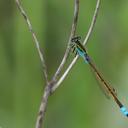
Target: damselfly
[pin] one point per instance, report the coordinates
(79, 49)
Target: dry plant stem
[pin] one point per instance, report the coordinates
(47, 90)
(64, 75)
(34, 38)
(73, 30)
(85, 42)
(52, 86)
(92, 23)
(43, 107)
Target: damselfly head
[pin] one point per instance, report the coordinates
(76, 39)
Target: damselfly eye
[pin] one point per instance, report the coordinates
(75, 39)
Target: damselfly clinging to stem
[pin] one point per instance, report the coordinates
(79, 49)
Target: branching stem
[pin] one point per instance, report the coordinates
(34, 39)
(85, 42)
(55, 83)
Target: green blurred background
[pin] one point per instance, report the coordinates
(78, 103)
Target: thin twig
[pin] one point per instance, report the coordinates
(34, 38)
(73, 30)
(47, 90)
(92, 23)
(64, 75)
(85, 42)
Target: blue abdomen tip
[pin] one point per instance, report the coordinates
(124, 111)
